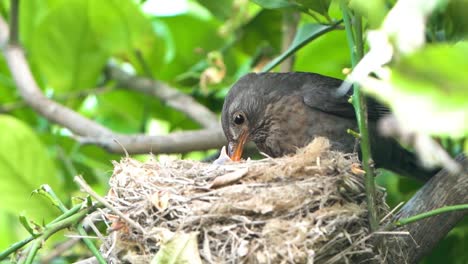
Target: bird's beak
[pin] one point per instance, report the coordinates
(235, 148)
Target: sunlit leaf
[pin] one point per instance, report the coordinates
(326, 55)
(7, 224)
(128, 119)
(374, 11)
(65, 47)
(30, 15)
(24, 166)
(122, 15)
(133, 31)
(305, 34)
(192, 38)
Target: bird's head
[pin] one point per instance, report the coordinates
(242, 114)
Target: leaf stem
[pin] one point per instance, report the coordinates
(353, 29)
(15, 247)
(441, 210)
(79, 228)
(90, 244)
(54, 228)
(24, 242)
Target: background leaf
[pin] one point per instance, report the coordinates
(24, 166)
(305, 34)
(65, 47)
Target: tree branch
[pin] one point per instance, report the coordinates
(90, 132)
(176, 142)
(172, 97)
(441, 190)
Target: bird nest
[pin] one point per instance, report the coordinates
(306, 208)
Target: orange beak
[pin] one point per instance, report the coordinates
(235, 150)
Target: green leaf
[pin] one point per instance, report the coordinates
(262, 31)
(305, 34)
(129, 23)
(65, 48)
(121, 28)
(180, 248)
(110, 113)
(428, 90)
(24, 166)
(374, 11)
(274, 4)
(326, 55)
(30, 15)
(189, 46)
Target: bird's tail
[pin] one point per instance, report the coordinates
(389, 154)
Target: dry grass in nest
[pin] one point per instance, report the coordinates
(307, 208)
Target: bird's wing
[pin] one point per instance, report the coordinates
(319, 92)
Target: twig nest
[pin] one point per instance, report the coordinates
(306, 208)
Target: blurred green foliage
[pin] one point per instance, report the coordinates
(69, 43)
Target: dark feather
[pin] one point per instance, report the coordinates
(319, 92)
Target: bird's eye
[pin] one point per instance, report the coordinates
(239, 119)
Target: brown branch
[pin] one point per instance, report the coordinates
(441, 190)
(91, 132)
(176, 142)
(172, 97)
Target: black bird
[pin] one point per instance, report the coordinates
(281, 112)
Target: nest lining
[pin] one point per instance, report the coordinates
(306, 208)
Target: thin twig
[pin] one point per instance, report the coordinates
(85, 187)
(391, 212)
